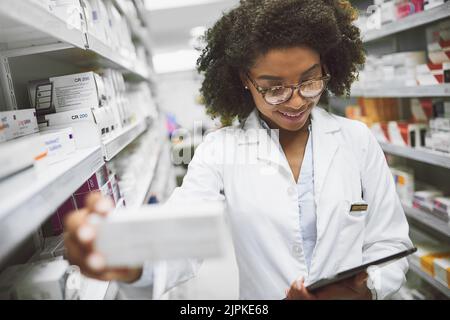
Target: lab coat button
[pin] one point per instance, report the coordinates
(297, 250)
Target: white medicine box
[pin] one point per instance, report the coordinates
(78, 91)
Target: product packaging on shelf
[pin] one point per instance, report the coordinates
(89, 126)
(429, 74)
(441, 208)
(404, 183)
(430, 4)
(78, 91)
(424, 199)
(442, 270)
(40, 94)
(56, 225)
(19, 155)
(18, 123)
(124, 238)
(69, 11)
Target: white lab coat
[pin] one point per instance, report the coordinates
(244, 168)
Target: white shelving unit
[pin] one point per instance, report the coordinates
(426, 156)
(442, 90)
(428, 220)
(41, 192)
(112, 146)
(146, 180)
(25, 21)
(410, 22)
(425, 276)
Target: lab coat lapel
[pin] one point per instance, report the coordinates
(267, 149)
(325, 145)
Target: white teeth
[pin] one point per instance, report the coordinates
(292, 115)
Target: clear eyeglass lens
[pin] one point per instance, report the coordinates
(312, 89)
(278, 95)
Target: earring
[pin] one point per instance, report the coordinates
(246, 88)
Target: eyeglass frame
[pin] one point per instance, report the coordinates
(295, 87)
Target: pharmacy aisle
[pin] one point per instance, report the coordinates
(403, 96)
(78, 114)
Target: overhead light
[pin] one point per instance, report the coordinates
(181, 60)
(153, 5)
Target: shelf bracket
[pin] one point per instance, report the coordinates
(6, 84)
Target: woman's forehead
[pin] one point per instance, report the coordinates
(286, 63)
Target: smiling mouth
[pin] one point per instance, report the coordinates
(293, 114)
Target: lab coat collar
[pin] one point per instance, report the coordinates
(325, 144)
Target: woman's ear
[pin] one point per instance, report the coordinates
(244, 80)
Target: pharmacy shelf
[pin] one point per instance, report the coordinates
(427, 156)
(442, 90)
(30, 197)
(410, 22)
(428, 219)
(149, 173)
(112, 146)
(114, 59)
(24, 22)
(425, 276)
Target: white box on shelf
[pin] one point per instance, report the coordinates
(58, 143)
(87, 128)
(78, 91)
(424, 199)
(430, 4)
(441, 208)
(18, 123)
(440, 56)
(19, 154)
(69, 11)
(442, 271)
(161, 232)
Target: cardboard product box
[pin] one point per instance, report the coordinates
(69, 11)
(441, 208)
(421, 109)
(446, 68)
(18, 123)
(57, 220)
(416, 134)
(404, 183)
(57, 144)
(441, 141)
(379, 133)
(425, 199)
(19, 155)
(398, 133)
(88, 127)
(440, 56)
(40, 94)
(430, 4)
(78, 91)
(441, 109)
(442, 270)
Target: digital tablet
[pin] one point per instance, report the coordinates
(354, 271)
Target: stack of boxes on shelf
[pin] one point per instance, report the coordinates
(428, 126)
(129, 164)
(420, 195)
(411, 68)
(383, 12)
(96, 106)
(108, 25)
(104, 181)
(22, 146)
(437, 70)
(433, 258)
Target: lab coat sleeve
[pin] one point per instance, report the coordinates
(202, 182)
(386, 225)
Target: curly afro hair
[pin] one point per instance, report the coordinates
(256, 26)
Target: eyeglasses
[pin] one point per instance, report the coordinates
(308, 89)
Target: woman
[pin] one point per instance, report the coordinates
(289, 172)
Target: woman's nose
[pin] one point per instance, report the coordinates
(296, 101)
